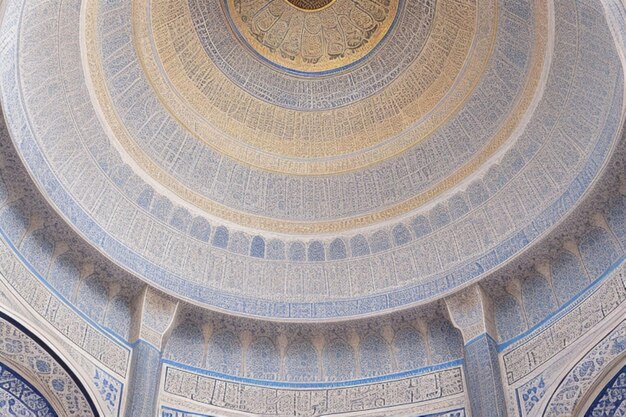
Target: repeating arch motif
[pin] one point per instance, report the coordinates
(375, 356)
(224, 353)
(262, 359)
(339, 361)
(301, 363)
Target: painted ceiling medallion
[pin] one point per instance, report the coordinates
(315, 35)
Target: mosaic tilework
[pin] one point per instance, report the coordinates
(509, 317)
(537, 296)
(110, 390)
(329, 353)
(467, 310)
(598, 251)
(453, 413)
(340, 361)
(375, 356)
(352, 270)
(186, 345)
(568, 276)
(263, 360)
(616, 217)
(410, 349)
(170, 412)
(289, 116)
(157, 316)
(62, 317)
(181, 357)
(224, 351)
(302, 186)
(446, 342)
(144, 385)
(565, 275)
(309, 92)
(301, 363)
(531, 393)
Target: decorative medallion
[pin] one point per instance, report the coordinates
(315, 35)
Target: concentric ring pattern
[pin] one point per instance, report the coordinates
(313, 160)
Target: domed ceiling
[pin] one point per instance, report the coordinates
(313, 159)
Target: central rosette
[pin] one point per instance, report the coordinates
(315, 35)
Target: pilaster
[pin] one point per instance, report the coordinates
(471, 312)
(156, 315)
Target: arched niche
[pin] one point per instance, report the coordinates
(18, 397)
(224, 353)
(301, 362)
(186, 345)
(579, 386)
(263, 359)
(35, 366)
(608, 398)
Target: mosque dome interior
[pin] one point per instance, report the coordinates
(309, 208)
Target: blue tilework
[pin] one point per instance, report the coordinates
(19, 398)
(611, 401)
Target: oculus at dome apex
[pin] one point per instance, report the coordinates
(311, 4)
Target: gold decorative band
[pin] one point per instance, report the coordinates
(213, 208)
(281, 140)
